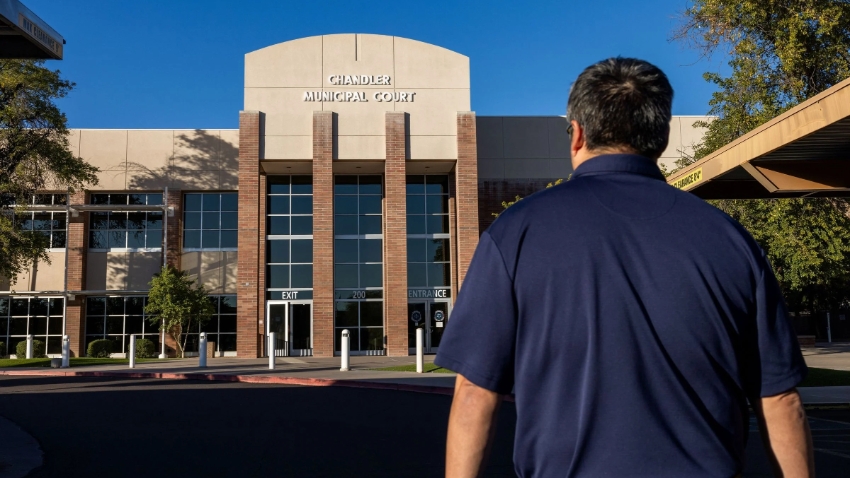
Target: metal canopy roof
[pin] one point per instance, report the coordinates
(804, 152)
(24, 35)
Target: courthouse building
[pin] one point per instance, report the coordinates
(351, 197)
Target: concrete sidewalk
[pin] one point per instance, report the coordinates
(314, 371)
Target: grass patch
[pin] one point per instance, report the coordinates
(427, 368)
(824, 377)
(75, 362)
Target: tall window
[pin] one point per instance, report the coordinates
(49, 223)
(220, 329)
(289, 256)
(358, 262)
(115, 318)
(428, 253)
(210, 221)
(42, 317)
(126, 231)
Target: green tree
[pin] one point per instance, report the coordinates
(781, 52)
(34, 155)
(507, 204)
(177, 306)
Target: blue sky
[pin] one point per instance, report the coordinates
(179, 63)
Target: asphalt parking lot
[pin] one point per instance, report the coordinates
(132, 427)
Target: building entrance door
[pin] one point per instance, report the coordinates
(292, 323)
(431, 316)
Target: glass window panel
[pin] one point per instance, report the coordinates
(345, 205)
(192, 220)
(302, 276)
(42, 199)
(416, 275)
(416, 224)
(345, 185)
(137, 199)
(372, 314)
(371, 250)
(117, 239)
(279, 225)
(211, 202)
(17, 326)
(42, 221)
(371, 275)
(154, 221)
(55, 306)
(415, 184)
(96, 306)
(135, 305)
(370, 185)
(345, 276)
(54, 326)
(229, 220)
(4, 328)
(437, 225)
(278, 251)
(115, 325)
(115, 306)
(229, 239)
(227, 323)
(4, 309)
(228, 304)
(210, 325)
(59, 220)
(437, 184)
(211, 220)
(227, 342)
(24, 221)
(136, 239)
(372, 338)
(302, 225)
(154, 199)
(134, 324)
(439, 275)
(302, 204)
(437, 204)
(370, 205)
(353, 337)
(302, 250)
(20, 307)
(345, 251)
(59, 240)
(302, 184)
(117, 220)
(192, 202)
(209, 239)
(191, 239)
(278, 184)
(278, 205)
(278, 277)
(60, 199)
(416, 250)
(438, 250)
(346, 314)
(415, 205)
(38, 326)
(370, 225)
(118, 199)
(230, 202)
(99, 220)
(345, 225)
(53, 345)
(154, 238)
(100, 198)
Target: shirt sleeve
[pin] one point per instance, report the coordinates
(480, 336)
(776, 363)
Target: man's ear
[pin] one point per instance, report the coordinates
(577, 138)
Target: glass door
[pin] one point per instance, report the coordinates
(292, 323)
(416, 314)
(276, 318)
(430, 316)
(438, 315)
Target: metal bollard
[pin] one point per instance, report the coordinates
(132, 351)
(420, 353)
(271, 350)
(346, 351)
(202, 351)
(29, 347)
(66, 351)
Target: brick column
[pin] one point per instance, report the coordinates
(175, 223)
(76, 249)
(323, 235)
(261, 269)
(395, 235)
(453, 233)
(247, 284)
(466, 177)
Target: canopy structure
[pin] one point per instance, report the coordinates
(804, 152)
(24, 35)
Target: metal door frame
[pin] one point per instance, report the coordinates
(428, 324)
(288, 351)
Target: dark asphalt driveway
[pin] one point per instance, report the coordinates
(130, 427)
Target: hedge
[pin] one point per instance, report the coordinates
(100, 348)
(37, 349)
(145, 348)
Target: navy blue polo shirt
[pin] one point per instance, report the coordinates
(632, 321)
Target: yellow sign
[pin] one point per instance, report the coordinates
(694, 177)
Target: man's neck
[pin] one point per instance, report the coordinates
(584, 155)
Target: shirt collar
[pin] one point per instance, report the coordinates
(620, 163)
